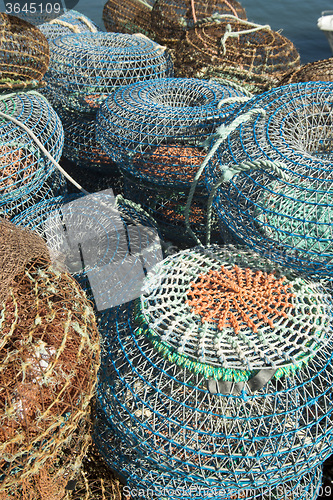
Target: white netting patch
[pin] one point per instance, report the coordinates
(68, 23)
(244, 322)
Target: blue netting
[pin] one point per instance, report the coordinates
(161, 393)
(24, 168)
(84, 68)
(144, 482)
(106, 242)
(68, 23)
(281, 206)
(156, 129)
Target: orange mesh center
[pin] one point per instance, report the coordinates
(239, 298)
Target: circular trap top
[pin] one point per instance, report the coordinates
(95, 64)
(167, 120)
(70, 22)
(226, 312)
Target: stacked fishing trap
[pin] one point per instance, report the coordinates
(107, 243)
(155, 131)
(49, 351)
(129, 16)
(68, 23)
(317, 71)
(218, 376)
(171, 18)
(225, 46)
(84, 69)
(271, 176)
(25, 53)
(27, 174)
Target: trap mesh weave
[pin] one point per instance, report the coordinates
(68, 23)
(260, 416)
(129, 16)
(257, 57)
(24, 53)
(84, 68)
(156, 129)
(142, 480)
(317, 71)
(49, 350)
(171, 18)
(24, 168)
(283, 208)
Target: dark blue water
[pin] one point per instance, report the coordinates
(296, 18)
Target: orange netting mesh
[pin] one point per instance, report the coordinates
(171, 18)
(127, 16)
(49, 357)
(24, 53)
(317, 71)
(18, 247)
(213, 49)
(239, 298)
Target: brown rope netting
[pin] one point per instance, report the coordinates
(128, 16)
(317, 71)
(49, 357)
(24, 53)
(171, 18)
(218, 49)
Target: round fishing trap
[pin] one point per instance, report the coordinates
(317, 71)
(171, 18)
(273, 176)
(142, 481)
(24, 166)
(107, 243)
(49, 350)
(68, 23)
(156, 129)
(235, 49)
(85, 68)
(25, 53)
(221, 371)
(129, 16)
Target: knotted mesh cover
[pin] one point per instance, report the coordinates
(49, 353)
(142, 480)
(255, 57)
(24, 168)
(156, 129)
(317, 71)
(284, 208)
(84, 68)
(68, 23)
(171, 18)
(24, 53)
(129, 16)
(221, 371)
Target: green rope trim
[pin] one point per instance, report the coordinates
(208, 371)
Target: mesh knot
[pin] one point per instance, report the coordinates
(239, 298)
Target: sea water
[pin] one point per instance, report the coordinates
(296, 18)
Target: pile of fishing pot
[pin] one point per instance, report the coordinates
(50, 354)
(29, 130)
(271, 176)
(225, 46)
(129, 16)
(107, 243)
(84, 69)
(170, 19)
(218, 376)
(25, 53)
(70, 22)
(155, 132)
